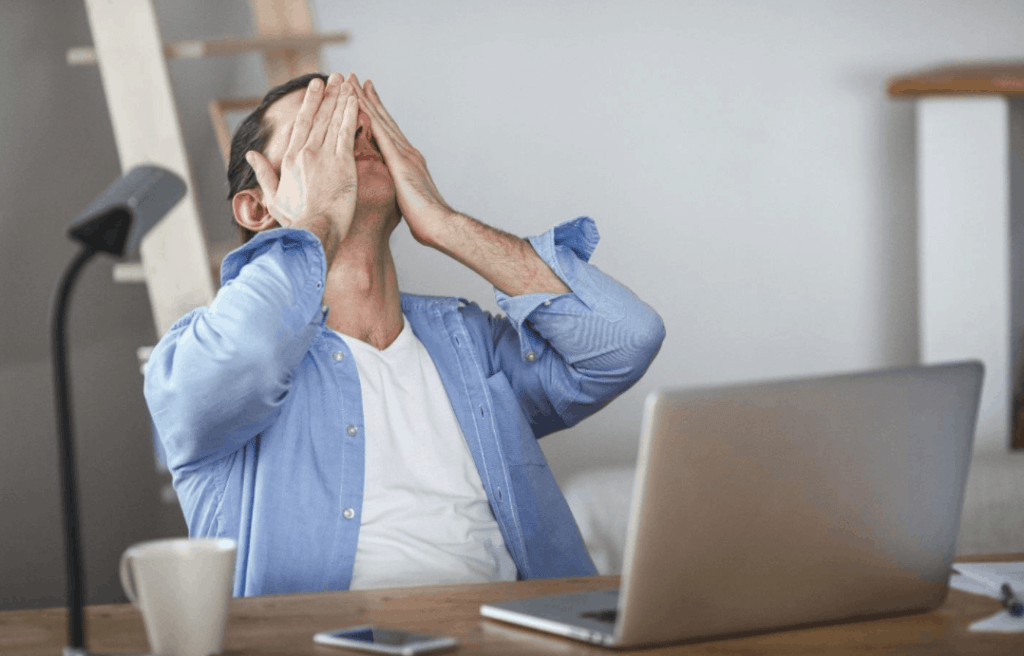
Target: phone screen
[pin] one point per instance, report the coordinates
(377, 636)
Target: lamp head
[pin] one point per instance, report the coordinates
(120, 216)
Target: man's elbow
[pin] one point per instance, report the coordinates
(648, 335)
(616, 370)
(630, 354)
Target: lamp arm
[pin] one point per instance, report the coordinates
(115, 222)
(69, 487)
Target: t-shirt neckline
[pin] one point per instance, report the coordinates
(399, 342)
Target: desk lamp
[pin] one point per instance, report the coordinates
(113, 223)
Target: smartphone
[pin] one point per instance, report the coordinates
(383, 641)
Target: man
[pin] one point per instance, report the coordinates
(349, 436)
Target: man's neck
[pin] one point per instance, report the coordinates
(362, 289)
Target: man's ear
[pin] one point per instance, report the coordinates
(250, 212)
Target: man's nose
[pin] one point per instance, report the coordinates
(363, 126)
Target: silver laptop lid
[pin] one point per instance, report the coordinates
(798, 502)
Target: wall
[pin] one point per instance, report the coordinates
(749, 175)
(750, 178)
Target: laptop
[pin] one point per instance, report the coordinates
(781, 505)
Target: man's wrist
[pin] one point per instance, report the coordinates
(325, 230)
(506, 261)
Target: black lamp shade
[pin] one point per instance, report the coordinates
(116, 221)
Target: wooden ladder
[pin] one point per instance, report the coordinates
(180, 268)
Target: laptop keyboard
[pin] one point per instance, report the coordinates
(606, 616)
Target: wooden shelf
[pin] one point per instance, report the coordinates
(195, 49)
(1005, 79)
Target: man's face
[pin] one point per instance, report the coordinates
(376, 188)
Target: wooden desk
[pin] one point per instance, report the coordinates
(285, 624)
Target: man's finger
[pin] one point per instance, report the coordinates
(304, 119)
(370, 92)
(381, 133)
(265, 175)
(347, 132)
(333, 130)
(354, 81)
(381, 129)
(324, 113)
(364, 100)
(374, 107)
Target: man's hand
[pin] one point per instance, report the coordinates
(418, 198)
(317, 187)
(506, 261)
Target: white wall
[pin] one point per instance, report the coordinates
(749, 175)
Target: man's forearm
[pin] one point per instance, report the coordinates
(506, 261)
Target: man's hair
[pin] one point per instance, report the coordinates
(253, 134)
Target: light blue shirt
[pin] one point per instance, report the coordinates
(258, 406)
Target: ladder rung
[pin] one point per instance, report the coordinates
(196, 48)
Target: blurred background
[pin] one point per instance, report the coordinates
(750, 178)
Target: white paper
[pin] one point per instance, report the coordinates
(987, 579)
(1002, 622)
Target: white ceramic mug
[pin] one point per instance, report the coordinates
(182, 587)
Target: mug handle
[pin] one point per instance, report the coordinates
(127, 580)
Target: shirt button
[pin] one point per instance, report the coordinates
(352, 430)
(339, 356)
(531, 356)
(324, 309)
(348, 513)
(547, 303)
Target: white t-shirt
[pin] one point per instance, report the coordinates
(425, 518)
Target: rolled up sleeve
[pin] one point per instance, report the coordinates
(583, 348)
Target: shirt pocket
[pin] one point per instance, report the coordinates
(515, 436)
